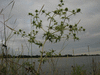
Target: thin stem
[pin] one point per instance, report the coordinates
(41, 57)
(5, 41)
(51, 21)
(41, 9)
(43, 29)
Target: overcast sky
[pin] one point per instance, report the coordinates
(90, 20)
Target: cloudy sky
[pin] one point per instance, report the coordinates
(90, 16)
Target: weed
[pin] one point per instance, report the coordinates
(78, 70)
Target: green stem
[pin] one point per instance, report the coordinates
(41, 57)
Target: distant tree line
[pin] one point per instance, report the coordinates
(37, 56)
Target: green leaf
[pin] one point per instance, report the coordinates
(33, 22)
(23, 31)
(36, 10)
(29, 34)
(36, 32)
(60, 10)
(73, 11)
(83, 29)
(20, 30)
(70, 26)
(66, 9)
(74, 34)
(17, 32)
(75, 25)
(61, 1)
(78, 10)
(59, 5)
(43, 11)
(30, 14)
(64, 13)
(55, 12)
(14, 32)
